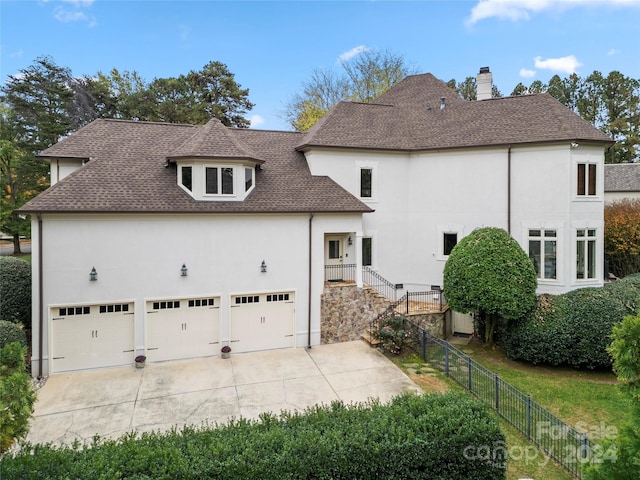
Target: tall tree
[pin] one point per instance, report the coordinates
(35, 114)
(362, 78)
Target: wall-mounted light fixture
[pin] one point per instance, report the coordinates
(263, 267)
(93, 275)
(574, 145)
(349, 241)
(184, 270)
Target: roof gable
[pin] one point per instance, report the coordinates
(412, 116)
(129, 172)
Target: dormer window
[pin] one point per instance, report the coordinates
(248, 179)
(219, 180)
(186, 177)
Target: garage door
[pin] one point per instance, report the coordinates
(92, 336)
(262, 321)
(185, 328)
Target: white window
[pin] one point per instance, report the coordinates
(585, 253)
(248, 179)
(366, 182)
(219, 180)
(586, 179)
(543, 252)
(186, 177)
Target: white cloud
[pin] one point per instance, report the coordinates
(612, 52)
(567, 64)
(256, 121)
(343, 57)
(522, 9)
(74, 11)
(527, 73)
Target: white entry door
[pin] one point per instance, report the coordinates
(262, 321)
(334, 261)
(91, 336)
(184, 328)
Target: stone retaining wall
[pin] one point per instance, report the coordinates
(347, 311)
(437, 324)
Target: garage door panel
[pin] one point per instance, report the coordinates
(184, 328)
(262, 322)
(92, 336)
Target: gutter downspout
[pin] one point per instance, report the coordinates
(40, 298)
(309, 289)
(509, 190)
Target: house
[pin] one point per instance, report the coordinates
(621, 182)
(173, 240)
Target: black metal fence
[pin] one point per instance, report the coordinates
(555, 439)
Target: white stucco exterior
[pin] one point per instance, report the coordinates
(138, 258)
(418, 197)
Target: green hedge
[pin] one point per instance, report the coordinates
(573, 328)
(437, 436)
(10, 332)
(16, 398)
(15, 290)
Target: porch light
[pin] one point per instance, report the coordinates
(93, 275)
(349, 241)
(183, 270)
(263, 267)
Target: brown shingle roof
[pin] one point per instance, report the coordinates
(409, 117)
(214, 140)
(128, 172)
(622, 177)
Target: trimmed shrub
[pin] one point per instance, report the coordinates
(16, 397)
(437, 436)
(10, 332)
(573, 328)
(15, 290)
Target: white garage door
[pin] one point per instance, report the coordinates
(262, 322)
(92, 336)
(185, 328)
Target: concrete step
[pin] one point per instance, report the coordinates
(366, 336)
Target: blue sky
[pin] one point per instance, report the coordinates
(272, 47)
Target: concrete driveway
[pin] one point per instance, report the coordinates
(114, 401)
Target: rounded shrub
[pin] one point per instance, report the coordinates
(10, 333)
(15, 290)
(573, 328)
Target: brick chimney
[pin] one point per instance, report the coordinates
(484, 84)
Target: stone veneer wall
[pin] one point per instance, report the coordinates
(347, 311)
(437, 324)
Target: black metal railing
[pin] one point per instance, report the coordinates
(380, 284)
(340, 273)
(563, 443)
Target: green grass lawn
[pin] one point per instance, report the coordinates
(578, 397)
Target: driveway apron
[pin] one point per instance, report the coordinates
(206, 391)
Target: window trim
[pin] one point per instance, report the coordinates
(588, 240)
(542, 239)
(367, 165)
(180, 178)
(370, 239)
(447, 229)
(219, 180)
(586, 180)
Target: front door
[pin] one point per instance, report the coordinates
(333, 259)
